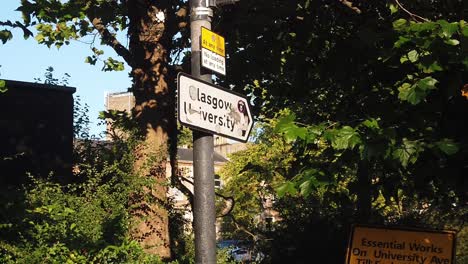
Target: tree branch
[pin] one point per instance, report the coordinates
(229, 203)
(409, 13)
(242, 228)
(109, 39)
(350, 5)
(27, 33)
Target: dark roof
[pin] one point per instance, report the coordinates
(30, 85)
(187, 155)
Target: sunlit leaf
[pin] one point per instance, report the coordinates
(286, 188)
(410, 93)
(413, 56)
(3, 86)
(452, 42)
(345, 138)
(289, 129)
(427, 83)
(465, 31)
(448, 29)
(400, 24)
(393, 8)
(371, 123)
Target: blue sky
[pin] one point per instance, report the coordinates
(25, 60)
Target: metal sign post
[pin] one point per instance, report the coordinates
(208, 109)
(203, 167)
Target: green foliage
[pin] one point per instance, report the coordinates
(377, 113)
(49, 78)
(113, 65)
(435, 47)
(81, 121)
(251, 177)
(407, 152)
(6, 34)
(85, 221)
(59, 23)
(185, 137)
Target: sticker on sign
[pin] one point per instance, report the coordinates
(210, 108)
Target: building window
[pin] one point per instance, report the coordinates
(217, 181)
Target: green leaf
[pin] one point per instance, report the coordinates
(423, 26)
(448, 29)
(393, 8)
(447, 146)
(413, 56)
(403, 59)
(371, 123)
(399, 24)
(345, 138)
(427, 83)
(313, 132)
(113, 65)
(286, 188)
(308, 182)
(40, 38)
(433, 67)
(289, 129)
(414, 94)
(3, 86)
(452, 42)
(401, 41)
(408, 152)
(5, 35)
(308, 186)
(464, 31)
(410, 93)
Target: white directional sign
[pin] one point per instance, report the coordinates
(207, 107)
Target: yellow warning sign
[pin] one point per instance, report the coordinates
(377, 245)
(212, 41)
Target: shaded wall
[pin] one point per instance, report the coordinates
(36, 131)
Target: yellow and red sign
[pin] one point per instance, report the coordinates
(378, 245)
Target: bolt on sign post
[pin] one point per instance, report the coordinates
(381, 245)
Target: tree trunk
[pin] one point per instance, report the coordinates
(154, 112)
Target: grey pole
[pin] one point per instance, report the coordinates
(203, 168)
